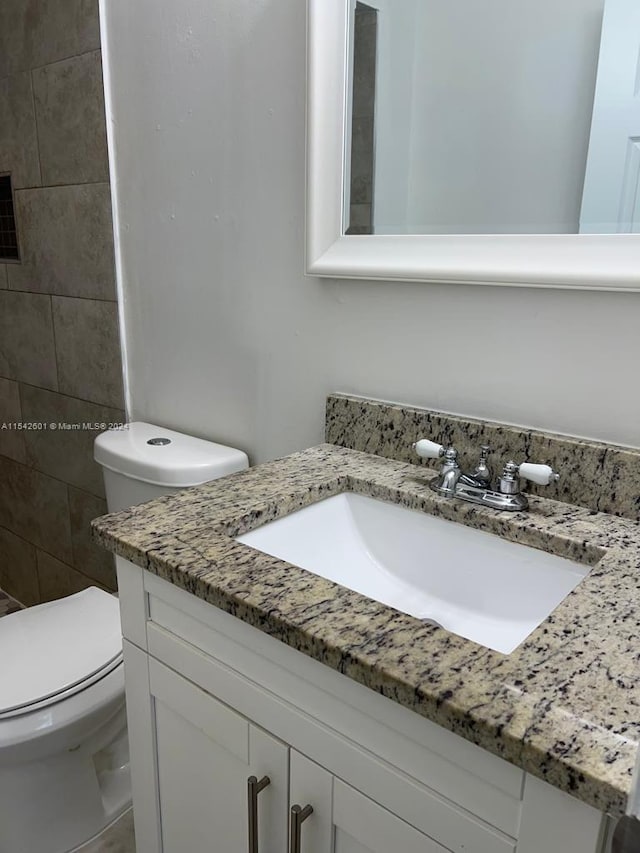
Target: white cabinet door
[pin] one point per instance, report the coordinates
(344, 820)
(205, 755)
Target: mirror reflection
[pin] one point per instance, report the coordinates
(493, 117)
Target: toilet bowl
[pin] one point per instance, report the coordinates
(64, 770)
(64, 758)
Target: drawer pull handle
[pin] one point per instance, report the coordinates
(298, 816)
(253, 789)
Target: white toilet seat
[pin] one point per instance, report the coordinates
(65, 675)
(64, 693)
(57, 649)
(45, 730)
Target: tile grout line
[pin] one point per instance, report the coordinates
(35, 120)
(55, 343)
(117, 409)
(67, 58)
(48, 554)
(74, 185)
(15, 71)
(113, 301)
(50, 477)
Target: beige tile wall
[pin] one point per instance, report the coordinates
(59, 341)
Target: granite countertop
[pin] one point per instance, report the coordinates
(564, 706)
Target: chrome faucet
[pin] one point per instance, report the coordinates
(476, 487)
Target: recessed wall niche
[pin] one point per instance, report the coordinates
(8, 232)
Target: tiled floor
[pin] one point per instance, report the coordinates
(118, 839)
(8, 604)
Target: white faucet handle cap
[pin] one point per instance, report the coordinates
(540, 474)
(428, 449)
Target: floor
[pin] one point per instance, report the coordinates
(627, 836)
(7, 604)
(117, 839)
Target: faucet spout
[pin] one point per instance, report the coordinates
(446, 482)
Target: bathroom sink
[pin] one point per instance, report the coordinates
(472, 583)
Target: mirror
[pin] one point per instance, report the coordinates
(493, 142)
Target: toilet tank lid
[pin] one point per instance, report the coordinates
(164, 457)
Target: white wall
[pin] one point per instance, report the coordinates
(226, 336)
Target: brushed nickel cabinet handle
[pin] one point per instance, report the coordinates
(298, 816)
(253, 789)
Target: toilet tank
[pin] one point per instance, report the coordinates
(143, 461)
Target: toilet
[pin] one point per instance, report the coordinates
(64, 757)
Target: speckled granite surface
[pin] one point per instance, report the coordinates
(565, 705)
(599, 476)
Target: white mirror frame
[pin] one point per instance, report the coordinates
(577, 261)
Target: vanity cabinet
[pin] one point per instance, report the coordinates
(206, 755)
(212, 701)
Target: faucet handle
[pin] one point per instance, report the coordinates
(508, 484)
(428, 449)
(540, 474)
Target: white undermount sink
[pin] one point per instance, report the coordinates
(472, 583)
